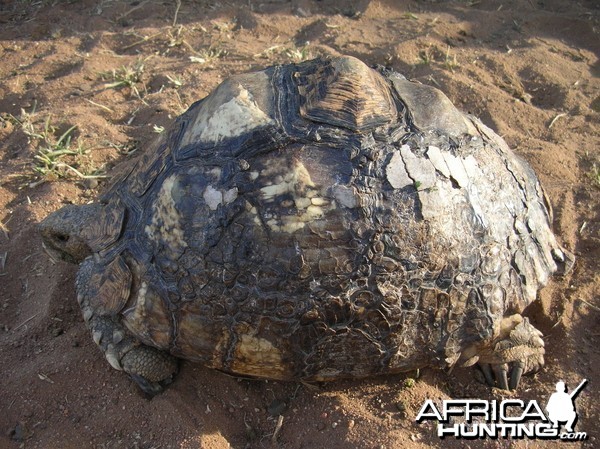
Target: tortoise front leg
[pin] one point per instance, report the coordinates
(518, 349)
(151, 368)
(102, 292)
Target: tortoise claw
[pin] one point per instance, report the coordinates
(486, 369)
(504, 376)
(515, 375)
(500, 373)
(149, 389)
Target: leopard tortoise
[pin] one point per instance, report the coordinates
(316, 221)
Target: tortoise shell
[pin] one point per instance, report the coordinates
(316, 221)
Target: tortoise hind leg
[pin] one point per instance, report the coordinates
(518, 349)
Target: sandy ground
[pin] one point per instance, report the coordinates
(119, 71)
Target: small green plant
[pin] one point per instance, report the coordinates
(426, 56)
(208, 56)
(451, 63)
(55, 157)
(175, 36)
(594, 174)
(298, 54)
(24, 120)
(409, 382)
(175, 81)
(268, 52)
(49, 159)
(127, 76)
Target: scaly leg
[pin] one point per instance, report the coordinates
(102, 291)
(151, 368)
(518, 349)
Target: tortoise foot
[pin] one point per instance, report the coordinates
(518, 350)
(150, 368)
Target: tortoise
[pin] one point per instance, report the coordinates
(316, 221)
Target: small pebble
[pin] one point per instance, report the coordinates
(90, 183)
(276, 407)
(16, 434)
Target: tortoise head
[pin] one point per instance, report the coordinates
(66, 232)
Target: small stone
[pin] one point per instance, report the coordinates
(301, 12)
(334, 424)
(351, 424)
(276, 407)
(17, 434)
(251, 433)
(90, 183)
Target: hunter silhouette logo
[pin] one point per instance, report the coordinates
(561, 405)
(509, 418)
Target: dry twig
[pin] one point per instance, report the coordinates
(277, 428)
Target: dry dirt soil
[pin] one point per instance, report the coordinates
(119, 71)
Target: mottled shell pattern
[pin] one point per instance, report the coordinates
(320, 220)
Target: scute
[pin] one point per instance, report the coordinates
(430, 109)
(148, 316)
(236, 107)
(113, 287)
(345, 92)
